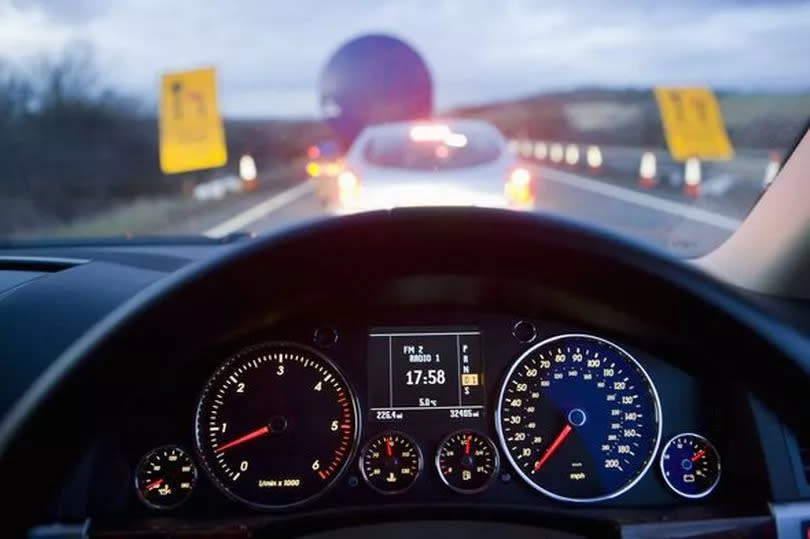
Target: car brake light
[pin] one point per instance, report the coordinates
(347, 181)
(348, 187)
(520, 187)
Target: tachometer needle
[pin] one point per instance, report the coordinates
(697, 455)
(247, 437)
(154, 484)
(552, 448)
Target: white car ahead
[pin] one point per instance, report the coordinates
(441, 162)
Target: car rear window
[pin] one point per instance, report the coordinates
(398, 150)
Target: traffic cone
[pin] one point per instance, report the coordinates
(526, 148)
(540, 151)
(556, 152)
(593, 156)
(772, 169)
(691, 177)
(572, 155)
(647, 171)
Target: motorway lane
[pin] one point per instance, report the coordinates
(642, 216)
(628, 212)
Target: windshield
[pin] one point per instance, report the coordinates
(661, 122)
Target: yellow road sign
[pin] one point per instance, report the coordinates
(693, 124)
(191, 132)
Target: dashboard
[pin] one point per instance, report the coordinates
(431, 407)
(377, 375)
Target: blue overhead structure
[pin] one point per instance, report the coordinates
(374, 79)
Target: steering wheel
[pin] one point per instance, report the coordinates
(449, 256)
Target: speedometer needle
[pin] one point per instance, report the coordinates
(697, 455)
(247, 437)
(552, 448)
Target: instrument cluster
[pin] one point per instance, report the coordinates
(396, 410)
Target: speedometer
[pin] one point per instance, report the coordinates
(276, 425)
(579, 418)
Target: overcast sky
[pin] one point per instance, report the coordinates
(269, 53)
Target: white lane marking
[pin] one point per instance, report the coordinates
(260, 210)
(642, 199)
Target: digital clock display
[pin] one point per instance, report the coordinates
(412, 370)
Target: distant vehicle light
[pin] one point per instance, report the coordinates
(594, 156)
(456, 140)
(313, 169)
(430, 133)
(556, 153)
(572, 154)
(442, 152)
(313, 152)
(333, 168)
(247, 168)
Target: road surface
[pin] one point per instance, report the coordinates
(684, 226)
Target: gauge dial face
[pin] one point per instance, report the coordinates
(467, 461)
(391, 462)
(578, 418)
(276, 425)
(690, 465)
(165, 477)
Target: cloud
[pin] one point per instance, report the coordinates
(269, 54)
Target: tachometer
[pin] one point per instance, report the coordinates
(276, 425)
(579, 418)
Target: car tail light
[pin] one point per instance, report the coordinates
(348, 186)
(520, 186)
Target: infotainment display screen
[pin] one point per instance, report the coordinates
(425, 369)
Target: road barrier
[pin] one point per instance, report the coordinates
(745, 175)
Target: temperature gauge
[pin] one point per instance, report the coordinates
(691, 465)
(467, 461)
(165, 477)
(391, 462)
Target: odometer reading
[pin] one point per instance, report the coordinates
(276, 425)
(579, 418)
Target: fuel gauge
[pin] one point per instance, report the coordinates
(467, 461)
(165, 477)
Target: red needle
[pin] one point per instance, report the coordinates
(255, 434)
(388, 448)
(552, 448)
(467, 445)
(698, 455)
(154, 484)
